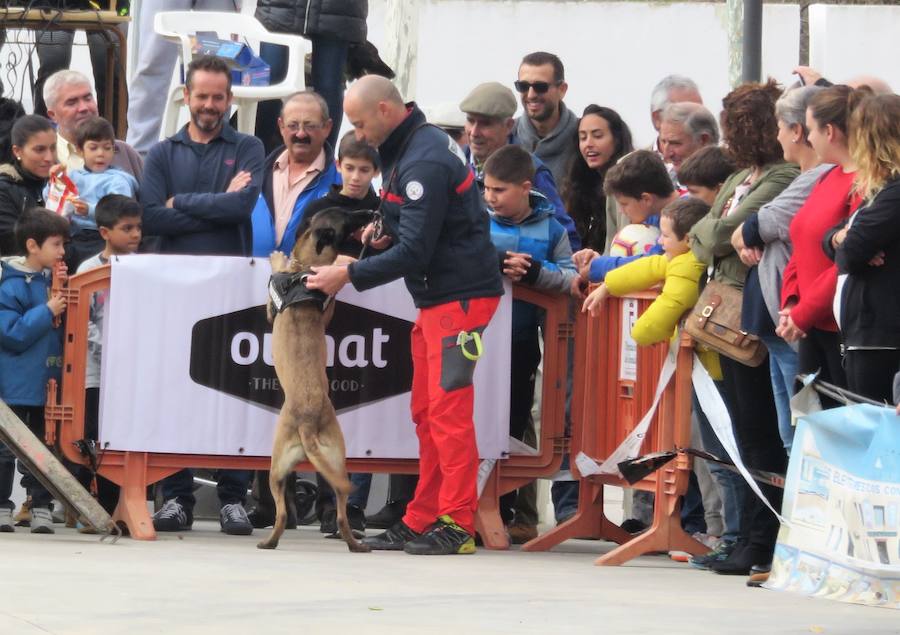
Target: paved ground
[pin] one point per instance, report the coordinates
(203, 582)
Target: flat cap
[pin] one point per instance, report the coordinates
(491, 99)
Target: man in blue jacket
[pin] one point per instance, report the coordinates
(440, 244)
(299, 172)
(198, 192)
(489, 110)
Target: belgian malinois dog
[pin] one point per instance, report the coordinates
(307, 426)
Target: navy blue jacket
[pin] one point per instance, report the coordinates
(434, 213)
(30, 346)
(204, 218)
(546, 185)
(263, 216)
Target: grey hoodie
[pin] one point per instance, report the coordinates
(557, 148)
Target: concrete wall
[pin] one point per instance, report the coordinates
(847, 41)
(614, 52)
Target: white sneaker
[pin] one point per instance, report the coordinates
(7, 524)
(42, 521)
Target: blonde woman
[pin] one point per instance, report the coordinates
(867, 252)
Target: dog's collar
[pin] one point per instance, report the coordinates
(288, 288)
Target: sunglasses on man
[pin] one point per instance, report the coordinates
(539, 87)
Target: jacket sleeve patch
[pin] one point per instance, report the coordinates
(414, 190)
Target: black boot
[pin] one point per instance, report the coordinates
(742, 560)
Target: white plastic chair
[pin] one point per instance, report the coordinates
(179, 26)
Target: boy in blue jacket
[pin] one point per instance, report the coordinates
(533, 249)
(641, 185)
(30, 347)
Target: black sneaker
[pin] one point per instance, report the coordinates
(234, 521)
(357, 519)
(328, 525)
(387, 516)
(173, 516)
(633, 526)
(393, 539)
(719, 554)
(443, 539)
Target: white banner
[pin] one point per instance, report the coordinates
(187, 364)
(714, 408)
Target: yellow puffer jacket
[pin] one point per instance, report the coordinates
(681, 289)
(679, 293)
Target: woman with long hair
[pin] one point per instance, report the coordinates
(603, 138)
(750, 130)
(867, 252)
(810, 276)
(23, 177)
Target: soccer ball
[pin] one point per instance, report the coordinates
(634, 240)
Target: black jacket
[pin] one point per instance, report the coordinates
(19, 191)
(870, 301)
(341, 19)
(434, 214)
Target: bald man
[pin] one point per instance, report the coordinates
(438, 240)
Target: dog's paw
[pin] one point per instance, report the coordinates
(359, 547)
(279, 261)
(267, 544)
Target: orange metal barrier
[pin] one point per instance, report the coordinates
(605, 409)
(134, 471)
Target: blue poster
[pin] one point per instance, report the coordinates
(841, 538)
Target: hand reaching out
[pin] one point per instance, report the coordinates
(595, 300)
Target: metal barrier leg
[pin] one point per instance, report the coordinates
(588, 522)
(488, 523)
(664, 535)
(132, 508)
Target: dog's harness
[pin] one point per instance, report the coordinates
(287, 288)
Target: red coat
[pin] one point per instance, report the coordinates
(810, 277)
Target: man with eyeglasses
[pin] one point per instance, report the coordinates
(299, 172)
(547, 128)
(198, 190)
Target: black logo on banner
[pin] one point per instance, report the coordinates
(368, 356)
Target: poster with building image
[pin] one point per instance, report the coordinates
(842, 506)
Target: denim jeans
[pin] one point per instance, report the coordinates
(359, 497)
(564, 495)
(783, 364)
(231, 486)
(732, 487)
(693, 518)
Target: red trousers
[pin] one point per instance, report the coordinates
(442, 404)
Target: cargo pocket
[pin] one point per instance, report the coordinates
(458, 359)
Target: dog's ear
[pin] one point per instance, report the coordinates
(358, 219)
(324, 236)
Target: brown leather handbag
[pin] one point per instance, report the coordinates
(715, 322)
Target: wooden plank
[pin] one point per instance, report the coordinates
(45, 467)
